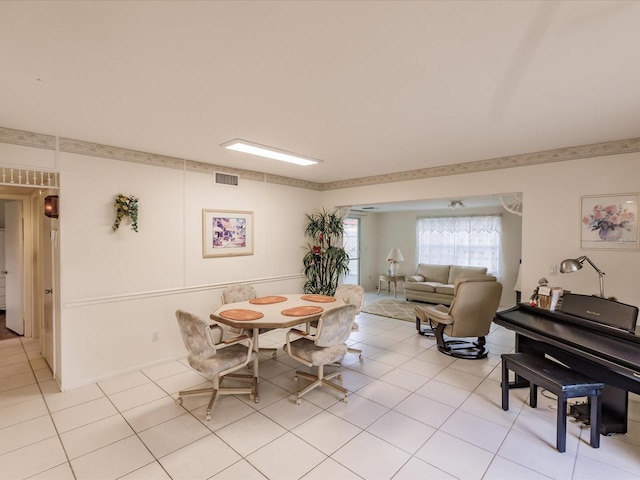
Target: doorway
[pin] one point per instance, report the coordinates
(14, 264)
(30, 304)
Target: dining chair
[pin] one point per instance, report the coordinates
(215, 361)
(353, 295)
(243, 293)
(325, 346)
(474, 306)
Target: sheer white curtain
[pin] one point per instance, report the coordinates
(468, 241)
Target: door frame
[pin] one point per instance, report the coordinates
(47, 244)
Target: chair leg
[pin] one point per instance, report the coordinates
(468, 350)
(440, 336)
(254, 388)
(326, 382)
(252, 391)
(191, 392)
(319, 380)
(274, 351)
(425, 332)
(315, 382)
(207, 416)
(356, 350)
(274, 354)
(214, 392)
(561, 425)
(505, 386)
(594, 419)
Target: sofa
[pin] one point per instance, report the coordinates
(435, 283)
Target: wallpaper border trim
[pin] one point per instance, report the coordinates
(616, 147)
(27, 139)
(30, 139)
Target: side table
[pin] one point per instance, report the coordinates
(391, 280)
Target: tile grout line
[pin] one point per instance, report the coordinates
(132, 429)
(55, 427)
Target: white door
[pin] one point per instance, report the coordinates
(3, 297)
(13, 261)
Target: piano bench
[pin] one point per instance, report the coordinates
(559, 380)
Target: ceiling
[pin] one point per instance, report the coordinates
(369, 88)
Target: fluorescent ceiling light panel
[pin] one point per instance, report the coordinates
(269, 152)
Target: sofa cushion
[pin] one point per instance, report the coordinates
(422, 286)
(434, 273)
(457, 271)
(445, 289)
(413, 278)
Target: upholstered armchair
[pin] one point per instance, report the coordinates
(476, 300)
(323, 347)
(215, 361)
(352, 295)
(242, 293)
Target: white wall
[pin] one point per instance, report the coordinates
(119, 287)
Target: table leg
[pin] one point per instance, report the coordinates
(379, 285)
(256, 348)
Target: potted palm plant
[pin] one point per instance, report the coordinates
(325, 261)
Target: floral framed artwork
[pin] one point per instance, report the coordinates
(609, 222)
(226, 233)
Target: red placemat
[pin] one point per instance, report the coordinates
(314, 297)
(241, 314)
(268, 300)
(302, 311)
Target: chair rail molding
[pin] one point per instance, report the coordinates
(79, 303)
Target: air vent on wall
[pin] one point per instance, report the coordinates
(226, 179)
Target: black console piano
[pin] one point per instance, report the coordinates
(592, 335)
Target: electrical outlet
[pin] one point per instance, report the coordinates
(155, 336)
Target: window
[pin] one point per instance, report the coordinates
(467, 241)
(351, 243)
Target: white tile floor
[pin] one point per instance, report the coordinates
(413, 413)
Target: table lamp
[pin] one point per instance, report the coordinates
(393, 257)
(574, 264)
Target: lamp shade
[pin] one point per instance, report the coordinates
(51, 206)
(570, 265)
(395, 255)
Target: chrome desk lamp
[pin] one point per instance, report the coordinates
(574, 264)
